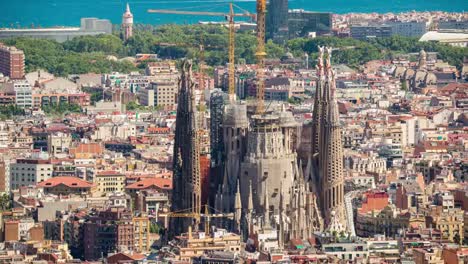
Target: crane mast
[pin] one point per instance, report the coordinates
(232, 41)
(261, 54)
(201, 65)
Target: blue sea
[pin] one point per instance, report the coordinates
(47, 13)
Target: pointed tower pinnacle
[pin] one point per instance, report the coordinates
(238, 207)
(422, 60)
(217, 200)
(127, 10)
(266, 208)
(317, 111)
(225, 181)
(332, 170)
(250, 204)
(127, 23)
(226, 193)
(281, 219)
(237, 203)
(186, 179)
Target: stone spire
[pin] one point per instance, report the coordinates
(266, 208)
(332, 148)
(317, 103)
(422, 64)
(226, 193)
(218, 202)
(281, 223)
(250, 203)
(238, 206)
(186, 180)
(323, 139)
(249, 213)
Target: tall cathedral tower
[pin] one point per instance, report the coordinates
(326, 163)
(332, 149)
(186, 165)
(127, 23)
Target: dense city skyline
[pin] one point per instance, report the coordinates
(295, 136)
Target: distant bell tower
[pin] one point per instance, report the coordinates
(127, 23)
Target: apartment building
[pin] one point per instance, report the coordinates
(11, 62)
(109, 181)
(27, 172)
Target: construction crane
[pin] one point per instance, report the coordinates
(197, 216)
(261, 55)
(230, 17)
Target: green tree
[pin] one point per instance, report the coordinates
(10, 111)
(274, 50)
(53, 57)
(404, 86)
(356, 52)
(61, 108)
(154, 228)
(108, 44)
(5, 202)
(132, 106)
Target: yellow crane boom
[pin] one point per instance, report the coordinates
(230, 17)
(198, 13)
(197, 216)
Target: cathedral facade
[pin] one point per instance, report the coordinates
(263, 181)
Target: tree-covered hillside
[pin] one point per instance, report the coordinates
(89, 53)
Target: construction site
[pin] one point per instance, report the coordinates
(260, 194)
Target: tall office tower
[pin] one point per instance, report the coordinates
(11, 62)
(277, 19)
(186, 178)
(326, 164)
(302, 23)
(127, 23)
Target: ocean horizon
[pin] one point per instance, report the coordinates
(48, 13)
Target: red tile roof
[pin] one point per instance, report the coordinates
(159, 130)
(69, 181)
(109, 173)
(161, 183)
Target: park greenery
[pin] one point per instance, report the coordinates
(59, 59)
(357, 52)
(90, 53)
(96, 94)
(10, 111)
(61, 109)
(133, 106)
